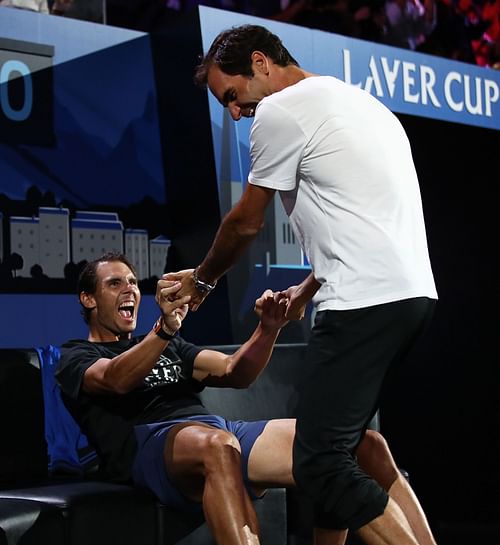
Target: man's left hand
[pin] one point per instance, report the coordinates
(271, 308)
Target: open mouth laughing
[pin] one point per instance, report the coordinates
(126, 310)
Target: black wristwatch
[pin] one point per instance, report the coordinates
(202, 287)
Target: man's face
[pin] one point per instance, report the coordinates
(115, 302)
(239, 94)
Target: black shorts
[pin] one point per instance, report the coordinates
(350, 357)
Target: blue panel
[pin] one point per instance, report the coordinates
(38, 320)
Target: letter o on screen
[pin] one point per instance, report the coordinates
(5, 72)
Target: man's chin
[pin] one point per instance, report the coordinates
(127, 330)
(131, 327)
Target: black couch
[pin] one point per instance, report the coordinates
(38, 508)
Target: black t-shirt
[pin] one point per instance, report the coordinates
(168, 391)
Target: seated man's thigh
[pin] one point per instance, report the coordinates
(270, 460)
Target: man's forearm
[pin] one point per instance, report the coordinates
(309, 287)
(236, 232)
(127, 370)
(252, 357)
(231, 241)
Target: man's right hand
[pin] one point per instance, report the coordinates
(299, 296)
(188, 288)
(297, 302)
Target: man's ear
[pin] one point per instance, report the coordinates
(87, 300)
(260, 62)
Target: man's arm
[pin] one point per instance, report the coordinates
(126, 371)
(240, 369)
(237, 230)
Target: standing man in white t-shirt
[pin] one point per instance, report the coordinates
(342, 164)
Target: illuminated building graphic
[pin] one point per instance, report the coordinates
(95, 233)
(137, 250)
(25, 241)
(158, 252)
(54, 240)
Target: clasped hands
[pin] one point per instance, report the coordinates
(179, 286)
(173, 306)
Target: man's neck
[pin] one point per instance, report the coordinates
(289, 75)
(106, 337)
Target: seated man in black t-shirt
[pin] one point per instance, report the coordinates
(136, 400)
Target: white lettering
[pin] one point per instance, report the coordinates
(478, 108)
(462, 92)
(492, 94)
(449, 80)
(427, 81)
(7, 69)
(408, 82)
(374, 79)
(346, 56)
(390, 74)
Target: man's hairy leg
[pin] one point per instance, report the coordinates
(204, 463)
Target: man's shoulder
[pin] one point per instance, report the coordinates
(85, 343)
(75, 345)
(77, 348)
(75, 342)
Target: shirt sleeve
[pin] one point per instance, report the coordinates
(76, 358)
(187, 353)
(276, 148)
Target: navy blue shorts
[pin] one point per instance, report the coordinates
(149, 467)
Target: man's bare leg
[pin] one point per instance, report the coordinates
(270, 465)
(375, 458)
(204, 463)
(403, 495)
(390, 528)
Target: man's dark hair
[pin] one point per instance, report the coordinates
(232, 52)
(87, 281)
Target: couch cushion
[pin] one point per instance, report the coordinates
(29, 522)
(96, 513)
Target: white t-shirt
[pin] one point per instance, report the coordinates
(343, 166)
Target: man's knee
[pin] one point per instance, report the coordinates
(219, 449)
(193, 449)
(375, 458)
(195, 453)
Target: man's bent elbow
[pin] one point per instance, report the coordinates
(247, 230)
